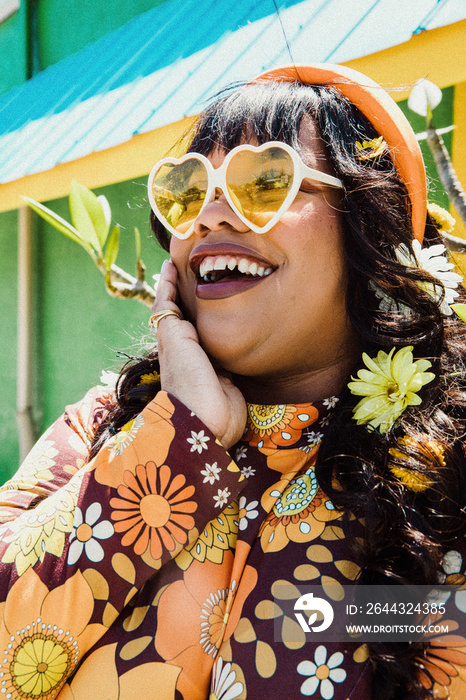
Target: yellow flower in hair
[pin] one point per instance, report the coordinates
(371, 149)
(415, 481)
(389, 385)
(442, 218)
(151, 378)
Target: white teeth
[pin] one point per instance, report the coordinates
(204, 267)
(220, 263)
(223, 262)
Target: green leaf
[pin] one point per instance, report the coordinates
(57, 222)
(137, 239)
(88, 216)
(460, 310)
(111, 251)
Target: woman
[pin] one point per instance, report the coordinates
(146, 538)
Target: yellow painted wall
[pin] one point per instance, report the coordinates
(438, 54)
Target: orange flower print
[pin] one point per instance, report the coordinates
(441, 659)
(278, 425)
(139, 681)
(299, 513)
(199, 610)
(214, 614)
(44, 636)
(153, 510)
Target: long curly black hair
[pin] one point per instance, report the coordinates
(406, 531)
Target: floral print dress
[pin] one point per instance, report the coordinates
(156, 570)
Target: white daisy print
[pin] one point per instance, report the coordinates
(323, 672)
(314, 438)
(198, 441)
(247, 511)
(222, 497)
(224, 685)
(125, 437)
(247, 472)
(211, 473)
(86, 531)
(240, 453)
(331, 402)
(108, 379)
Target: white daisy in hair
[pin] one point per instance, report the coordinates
(434, 261)
(387, 303)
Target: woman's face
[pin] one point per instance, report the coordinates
(291, 321)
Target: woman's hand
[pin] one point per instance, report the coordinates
(187, 372)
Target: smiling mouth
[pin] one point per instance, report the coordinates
(217, 268)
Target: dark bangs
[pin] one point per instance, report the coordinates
(261, 111)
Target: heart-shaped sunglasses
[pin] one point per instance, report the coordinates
(259, 183)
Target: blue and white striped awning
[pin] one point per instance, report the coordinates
(163, 65)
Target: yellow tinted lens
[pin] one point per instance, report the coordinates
(259, 181)
(179, 192)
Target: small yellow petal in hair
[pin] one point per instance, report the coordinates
(151, 378)
(430, 449)
(412, 480)
(442, 218)
(371, 149)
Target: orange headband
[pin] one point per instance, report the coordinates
(384, 115)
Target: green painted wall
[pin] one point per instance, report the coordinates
(79, 326)
(82, 327)
(65, 26)
(8, 276)
(13, 49)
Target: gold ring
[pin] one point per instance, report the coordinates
(156, 318)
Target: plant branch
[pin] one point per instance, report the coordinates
(446, 172)
(124, 286)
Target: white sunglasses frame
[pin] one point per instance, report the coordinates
(216, 178)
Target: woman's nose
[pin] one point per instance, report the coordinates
(218, 214)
